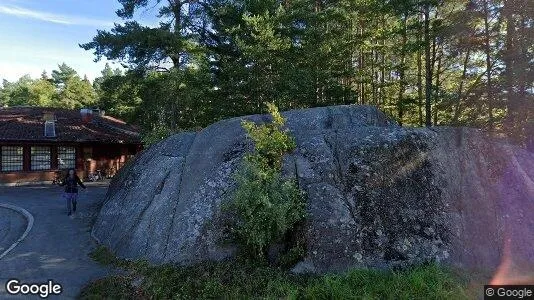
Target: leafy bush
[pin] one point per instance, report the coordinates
(155, 135)
(266, 206)
(271, 141)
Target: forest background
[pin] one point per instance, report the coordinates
(423, 62)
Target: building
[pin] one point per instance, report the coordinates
(36, 143)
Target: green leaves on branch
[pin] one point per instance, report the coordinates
(150, 47)
(64, 90)
(266, 206)
(270, 140)
(138, 46)
(156, 135)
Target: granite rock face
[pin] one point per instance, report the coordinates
(379, 195)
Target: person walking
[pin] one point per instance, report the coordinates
(71, 183)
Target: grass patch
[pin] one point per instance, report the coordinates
(424, 282)
(113, 287)
(218, 280)
(242, 279)
(103, 256)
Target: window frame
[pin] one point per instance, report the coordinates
(37, 162)
(10, 162)
(71, 159)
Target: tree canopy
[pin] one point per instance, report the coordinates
(65, 90)
(423, 62)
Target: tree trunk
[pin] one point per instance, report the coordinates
(428, 66)
(402, 67)
(374, 77)
(176, 6)
(456, 115)
(437, 88)
(382, 72)
(508, 59)
(489, 88)
(362, 69)
(419, 76)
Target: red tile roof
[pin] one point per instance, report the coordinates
(27, 124)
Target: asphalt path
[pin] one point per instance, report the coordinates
(12, 227)
(56, 247)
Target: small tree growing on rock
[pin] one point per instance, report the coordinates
(266, 205)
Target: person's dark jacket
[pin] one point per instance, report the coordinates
(71, 184)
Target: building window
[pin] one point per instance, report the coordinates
(50, 129)
(40, 158)
(12, 158)
(66, 157)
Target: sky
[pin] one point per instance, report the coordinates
(37, 35)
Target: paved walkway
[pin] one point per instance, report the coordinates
(57, 247)
(12, 226)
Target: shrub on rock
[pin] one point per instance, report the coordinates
(266, 205)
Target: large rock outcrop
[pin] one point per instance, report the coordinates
(379, 195)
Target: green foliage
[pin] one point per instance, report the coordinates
(228, 280)
(424, 282)
(145, 47)
(177, 100)
(26, 91)
(107, 73)
(266, 206)
(64, 90)
(63, 74)
(245, 280)
(138, 45)
(271, 141)
(113, 287)
(76, 93)
(103, 256)
(295, 254)
(155, 135)
(42, 93)
(468, 63)
(120, 96)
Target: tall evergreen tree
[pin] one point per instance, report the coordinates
(76, 93)
(63, 74)
(433, 62)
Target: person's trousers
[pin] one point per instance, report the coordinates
(71, 199)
